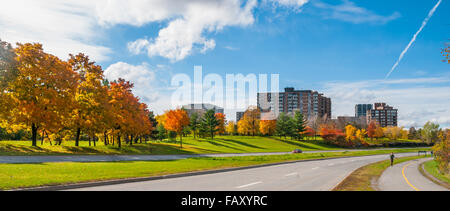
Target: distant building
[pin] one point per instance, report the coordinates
(382, 113)
(201, 109)
(308, 102)
(239, 115)
(347, 119)
(361, 109)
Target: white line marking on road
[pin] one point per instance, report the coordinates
(291, 174)
(315, 168)
(331, 164)
(244, 186)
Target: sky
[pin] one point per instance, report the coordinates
(342, 48)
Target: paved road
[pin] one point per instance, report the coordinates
(406, 177)
(113, 158)
(302, 176)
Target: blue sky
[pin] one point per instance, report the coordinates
(343, 48)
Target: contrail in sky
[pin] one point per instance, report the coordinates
(424, 23)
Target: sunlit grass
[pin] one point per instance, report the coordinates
(31, 175)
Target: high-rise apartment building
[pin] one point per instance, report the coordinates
(306, 101)
(382, 113)
(361, 109)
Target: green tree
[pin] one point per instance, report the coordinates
(299, 125)
(194, 124)
(161, 132)
(284, 126)
(430, 132)
(210, 123)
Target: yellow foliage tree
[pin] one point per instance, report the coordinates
(350, 131)
(361, 134)
(267, 127)
(231, 128)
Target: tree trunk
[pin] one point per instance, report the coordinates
(94, 139)
(42, 138)
(77, 137)
(131, 140)
(105, 137)
(33, 134)
(89, 138)
(118, 141)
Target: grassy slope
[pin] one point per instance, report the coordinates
(221, 144)
(361, 179)
(432, 168)
(31, 175)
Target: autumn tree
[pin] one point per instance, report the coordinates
(442, 153)
(42, 92)
(371, 129)
(8, 73)
(310, 132)
(267, 127)
(249, 124)
(120, 96)
(176, 121)
(350, 132)
(361, 134)
(221, 119)
(91, 102)
(231, 128)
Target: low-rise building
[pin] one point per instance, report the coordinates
(201, 109)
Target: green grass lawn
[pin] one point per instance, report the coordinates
(386, 140)
(32, 175)
(220, 144)
(362, 178)
(432, 168)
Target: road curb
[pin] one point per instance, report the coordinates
(169, 176)
(431, 177)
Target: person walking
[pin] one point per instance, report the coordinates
(392, 158)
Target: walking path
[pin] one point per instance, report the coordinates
(407, 177)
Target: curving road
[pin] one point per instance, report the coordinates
(115, 158)
(316, 175)
(406, 177)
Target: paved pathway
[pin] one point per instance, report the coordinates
(406, 177)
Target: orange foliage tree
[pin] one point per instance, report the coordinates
(176, 121)
(41, 95)
(221, 119)
(267, 127)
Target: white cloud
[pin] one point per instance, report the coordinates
(296, 4)
(141, 76)
(188, 23)
(62, 26)
(349, 12)
(417, 101)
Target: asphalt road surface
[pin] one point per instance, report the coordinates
(115, 158)
(406, 177)
(319, 175)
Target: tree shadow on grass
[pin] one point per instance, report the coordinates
(242, 143)
(300, 144)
